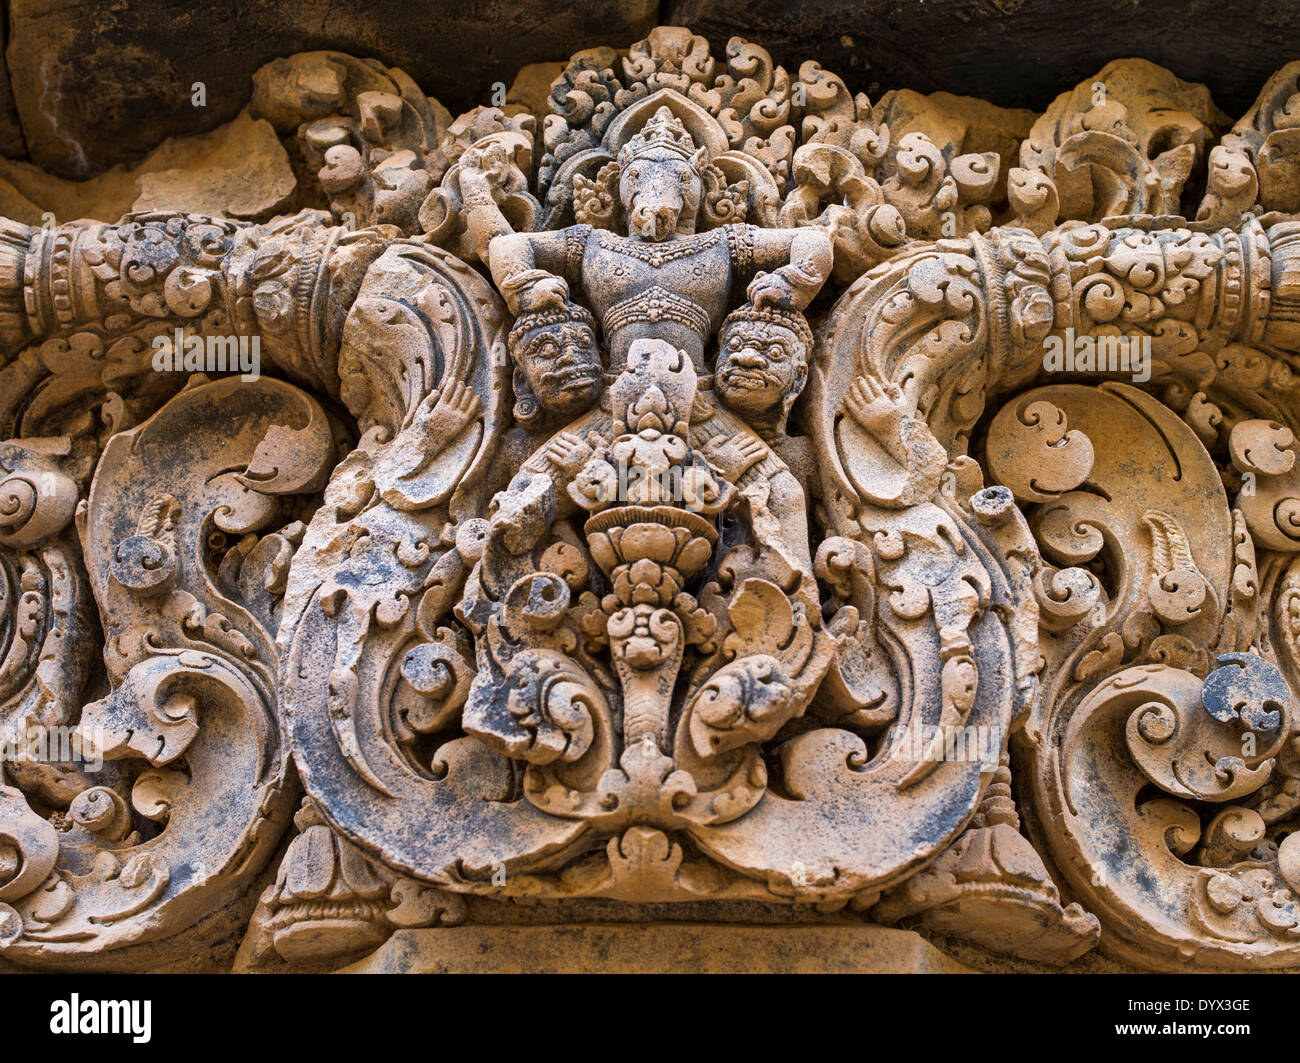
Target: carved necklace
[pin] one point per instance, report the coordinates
(658, 255)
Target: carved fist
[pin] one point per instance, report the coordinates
(545, 293)
(772, 289)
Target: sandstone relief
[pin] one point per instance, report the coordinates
(687, 486)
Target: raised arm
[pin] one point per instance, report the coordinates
(480, 171)
(534, 270)
(792, 265)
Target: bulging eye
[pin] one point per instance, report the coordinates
(776, 353)
(735, 343)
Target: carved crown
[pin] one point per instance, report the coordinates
(530, 321)
(663, 133)
(773, 315)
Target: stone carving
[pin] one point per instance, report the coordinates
(716, 488)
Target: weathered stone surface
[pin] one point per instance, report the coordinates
(1015, 53)
(101, 87)
(104, 83)
(675, 949)
(531, 88)
(13, 204)
(12, 144)
(240, 170)
(716, 498)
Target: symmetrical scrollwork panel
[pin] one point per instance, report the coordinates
(715, 487)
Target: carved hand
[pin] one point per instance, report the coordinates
(482, 168)
(794, 285)
(524, 287)
(444, 415)
(880, 408)
(876, 405)
(568, 452)
(772, 289)
(732, 456)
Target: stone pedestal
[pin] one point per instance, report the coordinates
(657, 949)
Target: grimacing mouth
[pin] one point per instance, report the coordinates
(572, 377)
(750, 379)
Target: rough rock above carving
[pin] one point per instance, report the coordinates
(94, 88)
(105, 83)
